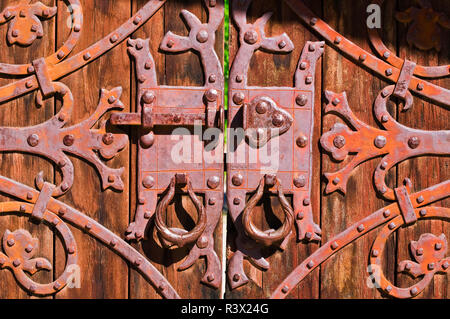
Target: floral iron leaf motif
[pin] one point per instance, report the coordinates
(429, 253)
(425, 26)
(20, 247)
(24, 23)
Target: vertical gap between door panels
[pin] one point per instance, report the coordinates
(130, 156)
(322, 64)
(55, 33)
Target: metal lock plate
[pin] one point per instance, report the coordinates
(181, 142)
(269, 145)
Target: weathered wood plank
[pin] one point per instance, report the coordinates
(22, 112)
(345, 274)
(425, 171)
(103, 273)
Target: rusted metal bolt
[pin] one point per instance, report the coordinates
(239, 78)
(302, 141)
(11, 242)
(29, 249)
(384, 118)
(137, 20)
(308, 80)
(361, 228)
(413, 142)
(88, 226)
(60, 55)
(212, 201)
(238, 98)
(237, 180)
(77, 28)
(170, 44)
(15, 33)
(22, 208)
(388, 289)
(408, 266)
(389, 72)
(308, 235)
(68, 140)
(420, 199)
(438, 246)
(380, 141)
(213, 182)
(108, 138)
(17, 263)
(212, 3)
(262, 107)
(387, 213)
(362, 57)
(285, 289)
(212, 78)
(138, 262)
(7, 14)
(431, 266)
(375, 253)
(62, 211)
(336, 181)
(211, 95)
(383, 165)
(148, 97)
(236, 201)
(301, 99)
(313, 21)
(148, 65)
(148, 182)
(202, 36)
(422, 212)
(251, 36)
(310, 264)
(278, 120)
(147, 215)
(236, 277)
(210, 278)
(33, 28)
(22, 14)
(87, 56)
(29, 84)
(386, 54)
(302, 66)
(113, 242)
(391, 226)
(414, 291)
(384, 93)
(311, 47)
(334, 245)
(29, 195)
(419, 251)
(139, 45)
(111, 178)
(300, 215)
(339, 141)
(335, 101)
(306, 202)
(300, 181)
(147, 140)
(114, 38)
(33, 140)
(64, 187)
(282, 44)
(445, 265)
(71, 250)
(337, 40)
(420, 86)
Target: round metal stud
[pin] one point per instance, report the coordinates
(237, 180)
(413, 142)
(238, 98)
(251, 37)
(68, 140)
(278, 120)
(301, 99)
(148, 97)
(339, 141)
(33, 140)
(202, 36)
(300, 181)
(380, 141)
(148, 182)
(213, 182)
(262, 107)
(211, 95)
(108, 138)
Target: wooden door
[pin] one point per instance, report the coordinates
(81, 190)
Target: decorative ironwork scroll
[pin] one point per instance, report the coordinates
(395, 143)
